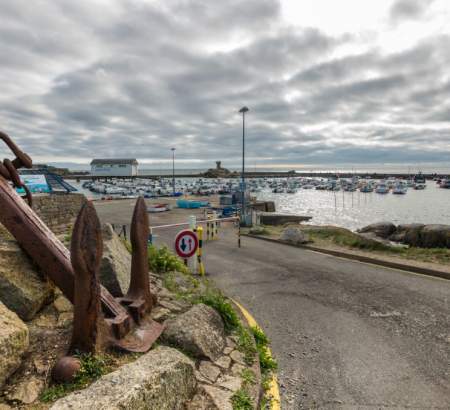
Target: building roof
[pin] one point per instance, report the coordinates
(127, 161)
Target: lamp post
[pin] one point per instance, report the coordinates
(173, 170)
(243, 110)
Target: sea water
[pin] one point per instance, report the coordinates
(354, 210)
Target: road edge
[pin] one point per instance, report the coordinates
(274, 389)
(360, 258)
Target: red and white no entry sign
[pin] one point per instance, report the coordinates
(186, 243)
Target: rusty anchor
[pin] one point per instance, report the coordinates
(100, 320)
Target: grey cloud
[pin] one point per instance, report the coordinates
(408, 9)
(136, 78)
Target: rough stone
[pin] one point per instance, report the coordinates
(381, 229)
(115, 267)
(200, 378)
(4, 406)
(227, 350)
(162, 379)
(238, 357)
(237, 369)
(62, 304)
(208, 370)
(295, 235)
(199, 331)
(14, 342)
(231, 383)
(64, 319)
(412, 234)
(160, 314)
(219, 399)
(231, 342)
(223, 362)
(27, 391)
(435, 236)
(22, 289)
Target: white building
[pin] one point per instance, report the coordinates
(114, 167)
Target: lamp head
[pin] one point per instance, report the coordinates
(244, 109)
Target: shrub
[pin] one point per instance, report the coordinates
(162, 260)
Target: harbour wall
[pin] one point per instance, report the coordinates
(266, 175)
(58, 211)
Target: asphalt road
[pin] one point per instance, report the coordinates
(345, 334)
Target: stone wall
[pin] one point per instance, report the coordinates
(58, 211)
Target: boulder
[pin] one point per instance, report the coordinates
(14, 342)
(381, 229)
(162, 379)
(199, 331)
(435, 236)
(115, 267)
(407, 233)
(22, 288)
(295, 235)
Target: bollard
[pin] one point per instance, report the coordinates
(193, 225)
(201, 267)
(215, 226)
(150, 237)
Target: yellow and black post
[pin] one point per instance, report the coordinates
(201, 267)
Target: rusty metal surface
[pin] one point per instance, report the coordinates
(65, 369)
(86, 249)
(100, 320)
(138, 299)
(8, 169)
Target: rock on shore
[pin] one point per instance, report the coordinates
(162, 379)
(418, 235)
(199, 331)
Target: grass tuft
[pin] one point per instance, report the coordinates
(241, 400)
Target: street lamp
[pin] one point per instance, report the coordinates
(173, 170)
(243, 110)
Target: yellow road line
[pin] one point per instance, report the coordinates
(274, 390)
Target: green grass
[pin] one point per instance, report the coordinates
(345, 238)
(267, 364)
(215, 299)
(241, 400)
(92, 368)
(162, 260)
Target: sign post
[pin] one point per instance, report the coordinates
(186, 244)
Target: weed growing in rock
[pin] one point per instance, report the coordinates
(222, 305)
(92, 368)
(267, 363)
(241, 400)
(246, 345)
(248, 377)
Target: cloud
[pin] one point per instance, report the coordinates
(403, 10)
(133, 78)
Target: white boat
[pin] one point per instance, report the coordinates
(399, 189)
(158, 208)
(382, 188)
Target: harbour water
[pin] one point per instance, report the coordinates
(354, 210)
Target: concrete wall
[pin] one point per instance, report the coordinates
(58, 211)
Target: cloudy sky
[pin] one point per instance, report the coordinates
(326, 81)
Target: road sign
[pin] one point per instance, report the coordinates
(186, 243)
